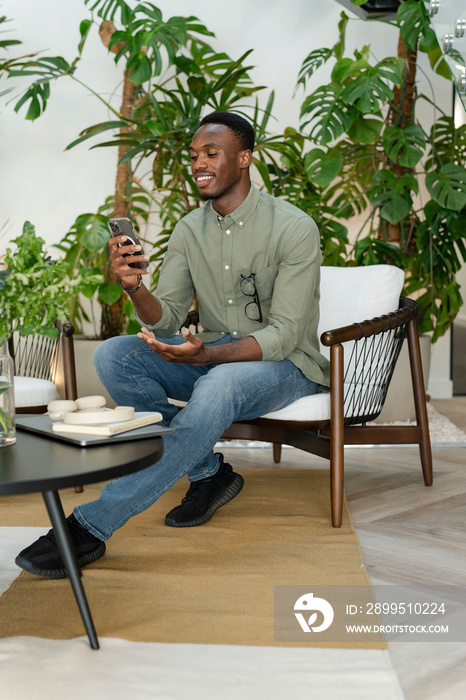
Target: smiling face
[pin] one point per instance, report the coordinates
(219, 166)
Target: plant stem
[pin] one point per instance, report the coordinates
(96, 94)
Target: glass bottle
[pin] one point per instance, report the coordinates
(7, 397)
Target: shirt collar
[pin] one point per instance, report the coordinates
(242, 213)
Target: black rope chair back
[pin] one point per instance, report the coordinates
(371, 362)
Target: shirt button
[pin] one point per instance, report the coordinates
(230, 301)
(228, 231)
(240, 223)
(235, 333)
(227, 267)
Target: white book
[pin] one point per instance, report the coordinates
(139, 421)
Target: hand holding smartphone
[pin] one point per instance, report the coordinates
(124, 227)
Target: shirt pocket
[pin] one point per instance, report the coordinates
(265, 281)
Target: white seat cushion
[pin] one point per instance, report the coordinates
(30, 392)
(317, 407)
(308, 408)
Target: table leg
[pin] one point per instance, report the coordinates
(68, 553)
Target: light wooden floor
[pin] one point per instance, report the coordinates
(408, 533)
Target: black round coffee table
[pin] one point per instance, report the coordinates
(36, 463)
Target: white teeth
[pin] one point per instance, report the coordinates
(202, 178)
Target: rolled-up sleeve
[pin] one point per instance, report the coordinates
(295, 294)
(175, 290)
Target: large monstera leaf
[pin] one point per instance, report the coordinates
(393, 194)
(370, 88)
(447, 186)
(448, 143)
(322, 167)
(329, 117)
(404, 146)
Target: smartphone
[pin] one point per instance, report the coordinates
(124, 227)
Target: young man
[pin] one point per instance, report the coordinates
(253, 261)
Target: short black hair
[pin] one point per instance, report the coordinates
(240, 127)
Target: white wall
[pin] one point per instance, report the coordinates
(42, 183)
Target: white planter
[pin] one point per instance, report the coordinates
(399, 404)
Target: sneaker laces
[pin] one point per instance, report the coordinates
(49, 536)
(79, 534)
(194, 491)
(196, 488)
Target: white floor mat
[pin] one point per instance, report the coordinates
(38, 669)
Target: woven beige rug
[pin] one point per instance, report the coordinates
(207, 585)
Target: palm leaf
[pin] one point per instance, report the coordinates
(311, 63)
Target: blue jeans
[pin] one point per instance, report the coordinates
(217, 396)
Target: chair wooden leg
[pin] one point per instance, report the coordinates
(336, 440)
(420, 402)
(69, 364)
(277, 452)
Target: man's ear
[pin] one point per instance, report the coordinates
(245, 159)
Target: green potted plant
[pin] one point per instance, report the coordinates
(171, 76)
(372, 156)
(35, 293)
(35, 290)
(363, 154)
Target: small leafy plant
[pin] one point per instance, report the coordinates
(35, 290)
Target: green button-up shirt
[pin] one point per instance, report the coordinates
(207, 254)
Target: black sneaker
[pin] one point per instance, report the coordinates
(43, 557)
(205, 496)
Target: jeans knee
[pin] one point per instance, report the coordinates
(220, 389)
(108, 355)
(103, 353)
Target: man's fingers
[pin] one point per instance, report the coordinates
(146, 335)
(189, 352)
(190, 338)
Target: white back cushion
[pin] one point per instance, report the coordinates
(355, 294)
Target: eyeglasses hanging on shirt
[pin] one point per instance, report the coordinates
(253, 308)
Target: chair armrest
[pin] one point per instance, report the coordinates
(69, 364)
(407, 312)
(67, 329)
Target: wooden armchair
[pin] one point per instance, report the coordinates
(363, 354)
